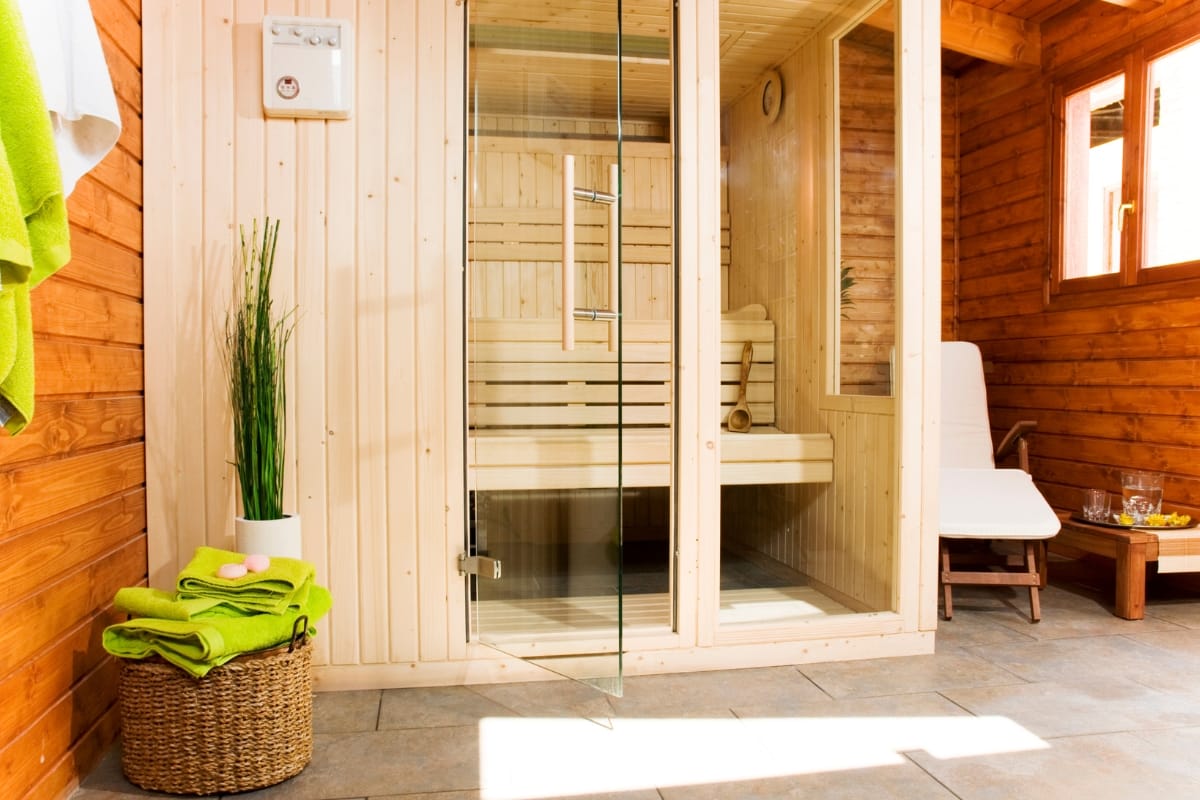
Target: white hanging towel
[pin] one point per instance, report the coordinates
(75, 81)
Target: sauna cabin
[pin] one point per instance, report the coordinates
(813, 189)
(600, 366)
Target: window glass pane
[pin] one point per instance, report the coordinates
(1093, 140)
(1173, 169)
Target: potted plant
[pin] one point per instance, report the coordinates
(254, 350)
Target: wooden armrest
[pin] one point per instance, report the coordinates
(1016, 438)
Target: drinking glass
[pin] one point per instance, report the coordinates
(1141, 494)
(1095, 505)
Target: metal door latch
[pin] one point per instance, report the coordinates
(482, 566)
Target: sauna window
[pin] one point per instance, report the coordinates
(865, 272)
(1123, 219)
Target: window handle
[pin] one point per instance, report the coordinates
(1123, 210)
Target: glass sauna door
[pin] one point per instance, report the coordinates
(544, 333)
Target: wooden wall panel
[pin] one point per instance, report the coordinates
(72, 497)
(370, 251)
(1111, 386)
(867, 145)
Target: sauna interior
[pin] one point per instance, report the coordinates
(572, 399)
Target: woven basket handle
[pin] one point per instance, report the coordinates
(299, 632)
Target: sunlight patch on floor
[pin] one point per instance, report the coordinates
(531, 758)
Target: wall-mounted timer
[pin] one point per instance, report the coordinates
(308, 67)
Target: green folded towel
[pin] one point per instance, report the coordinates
(209, 640)
(146, 602)
(34, 237)
(273, 590)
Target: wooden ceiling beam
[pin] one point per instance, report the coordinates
(980, 32)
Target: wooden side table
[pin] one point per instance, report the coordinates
(1130, 549)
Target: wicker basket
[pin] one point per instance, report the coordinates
(245, 725)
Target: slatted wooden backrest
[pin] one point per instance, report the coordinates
(520, 378)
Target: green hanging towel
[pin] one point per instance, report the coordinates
(35, 240)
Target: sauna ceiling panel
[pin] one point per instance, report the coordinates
(545, 57)
(548, 58)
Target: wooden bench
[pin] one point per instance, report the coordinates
(1130, 549)
(541, 418)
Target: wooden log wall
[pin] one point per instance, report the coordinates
(1111, 385)
(867, 144)
(72, 485)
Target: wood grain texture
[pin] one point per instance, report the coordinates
(72, 528)
(1110, 379)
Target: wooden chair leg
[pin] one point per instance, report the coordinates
(1043, 554)
(1032, 567)
(948, 603)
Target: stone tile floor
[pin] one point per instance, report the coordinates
(1080, 705)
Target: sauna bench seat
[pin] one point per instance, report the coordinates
(559, 459)
(541, 418)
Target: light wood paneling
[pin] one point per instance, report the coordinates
(370, 252)
(72, 498)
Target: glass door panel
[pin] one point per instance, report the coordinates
(544, 361)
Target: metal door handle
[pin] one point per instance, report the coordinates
(609, 198)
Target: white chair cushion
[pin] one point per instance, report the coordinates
(993, 504)
(966, 432)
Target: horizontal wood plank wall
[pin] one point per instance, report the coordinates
(72, 485)
(950, 206)
(513, 239)
(370, 251)
(1111, 386)
(867, 139)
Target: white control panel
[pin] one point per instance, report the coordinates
(308, 67)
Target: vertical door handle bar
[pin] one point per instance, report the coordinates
(568, 253)
(570, 194)
(614, 254)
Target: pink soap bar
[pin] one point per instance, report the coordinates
(231, 571)
(257, 562)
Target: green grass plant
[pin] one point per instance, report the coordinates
(254, 350)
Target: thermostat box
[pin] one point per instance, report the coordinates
(308, 67)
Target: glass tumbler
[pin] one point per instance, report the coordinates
(1141, 494)
(1095, 505)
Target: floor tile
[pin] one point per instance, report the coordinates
(345, 712)
(436, 707)
(715, 694)
(923, 704)
(1076, 708)
(381, 763)
(555, 698)
(1084, 658)
(1104, 767)
(901, 782)
(907, 674)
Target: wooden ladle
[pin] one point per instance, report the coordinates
(739, 417)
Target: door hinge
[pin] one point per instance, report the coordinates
(482, 566)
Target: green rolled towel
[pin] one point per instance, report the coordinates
(272, 591)
(207, 640)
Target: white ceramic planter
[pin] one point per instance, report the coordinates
(270, 537)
